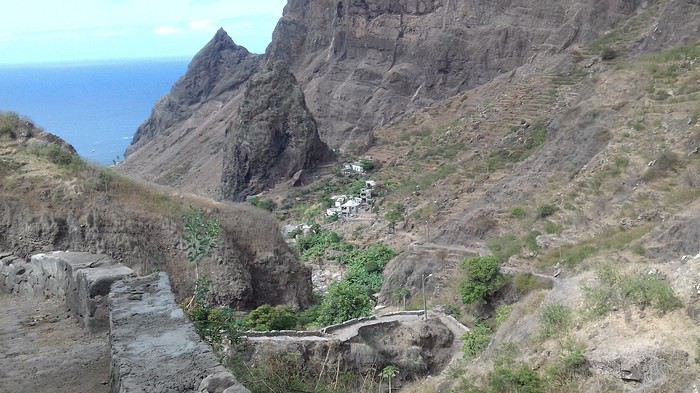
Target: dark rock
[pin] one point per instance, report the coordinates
(272, 137)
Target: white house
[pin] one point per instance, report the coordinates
(366, 195)
(333, 211)
(354, 167)
(351, 207)
(371, 184)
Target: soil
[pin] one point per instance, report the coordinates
(42, 350)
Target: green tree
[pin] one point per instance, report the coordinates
(483, 279)
(267, 317)
(389, 373)
(345, 300)
(402, 294)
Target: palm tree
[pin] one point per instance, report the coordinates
(390, 372)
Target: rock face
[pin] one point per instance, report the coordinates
(360, 64)
(181, 143)
(273, 136)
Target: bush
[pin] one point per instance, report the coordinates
(368, 165)
(483, 279)
(554, 318)
(343, 302)
(503, 313)
(265, 204)
(616, 290)
(266, 318)
(505, 247)
(315, 244)
(545, 211)
(518, 212)
(608, 54)
(475, 341)
(514, 379)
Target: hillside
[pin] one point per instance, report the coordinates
(558, 142)
(52, 200)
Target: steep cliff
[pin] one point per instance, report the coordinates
(272, 137)
(181, 143)
(361, 65)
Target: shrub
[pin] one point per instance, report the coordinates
(483, 279)
(505, 247)
(518, 212)
(265, 204)
(508, 378)
(343, 302)
(315, 244)
(213, 324)
(546, 210)
(666, 162)
(395, 215)
(524, 283)
(608, 54)
(266, 318)
(201, 235)
(554, 318)
(617, 290)
(368, 165)
(475, 341)
(503, 313)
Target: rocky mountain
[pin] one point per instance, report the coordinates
(361, 65)
(181, 144)
(273, 136)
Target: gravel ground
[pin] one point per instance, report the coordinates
(43, 349)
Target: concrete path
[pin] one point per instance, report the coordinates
(44, 350)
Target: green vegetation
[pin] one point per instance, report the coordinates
(290, 373)
(352, 297)
(554, 319)
(60, 157)
(476, 340)
(389, 373)
(368, 165)
(213, 324)
(546, 210)
(483, 279)
(503, 313)
(510, 378)
(518, 212)
(315, 245)
(524, 283)
(608, 54)
(616, 290)
(505, 247)
(395, 214)
(266, 318)
(201, 235)
(9, 122)
(265, 204)
(520, 144)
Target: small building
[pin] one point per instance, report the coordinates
(366, 195)
(371, 184)
(354, 167)
(351, 207)
(339, 200)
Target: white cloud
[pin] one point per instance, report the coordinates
(202, 24)
(166, 30)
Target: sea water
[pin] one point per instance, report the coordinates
(95, 107)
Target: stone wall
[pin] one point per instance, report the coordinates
(82, 280)
(154, 346)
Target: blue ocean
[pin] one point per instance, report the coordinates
(95, 107)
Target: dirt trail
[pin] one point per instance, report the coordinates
(43, 350)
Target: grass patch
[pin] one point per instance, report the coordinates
(554, 319)
(546, 210)
(503, 313)
(476, 340)
(519, 213)
(505, 247)
(616, 290)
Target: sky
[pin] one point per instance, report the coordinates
(75, 31)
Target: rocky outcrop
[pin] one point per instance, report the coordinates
(361, 65)
(155, 348)
(272, 137)
(181, 143)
